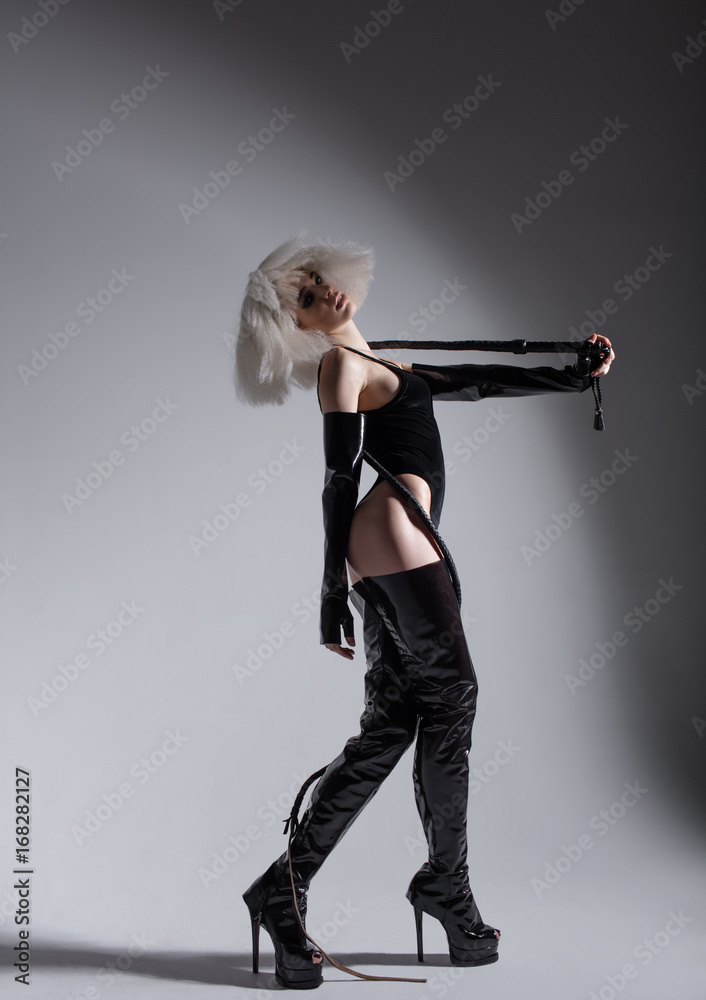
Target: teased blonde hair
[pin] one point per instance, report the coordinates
(272, 352)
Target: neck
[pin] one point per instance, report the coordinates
(350, 336)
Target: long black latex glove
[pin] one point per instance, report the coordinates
(343, 450)
(474, 382)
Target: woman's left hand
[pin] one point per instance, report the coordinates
(604, 368)
(342, 650)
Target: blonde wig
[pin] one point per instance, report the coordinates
(272, 353)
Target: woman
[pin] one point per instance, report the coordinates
(297, 327)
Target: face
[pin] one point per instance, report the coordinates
(320, 306)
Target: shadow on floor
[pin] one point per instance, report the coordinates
(232, 969)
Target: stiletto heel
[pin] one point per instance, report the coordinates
(297, 965)
(255, 942)
(269, 901)
(418, 914)
(449, 899)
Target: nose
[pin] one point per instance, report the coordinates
(328, 291)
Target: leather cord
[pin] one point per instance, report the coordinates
(291, 824)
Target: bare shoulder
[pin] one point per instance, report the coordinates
(343, 377)
(339, 364)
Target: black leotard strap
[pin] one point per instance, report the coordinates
(372, 357)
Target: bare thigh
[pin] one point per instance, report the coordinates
(385, 536)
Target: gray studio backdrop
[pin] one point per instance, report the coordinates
(521, 172)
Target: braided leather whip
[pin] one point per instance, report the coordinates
(592, 354)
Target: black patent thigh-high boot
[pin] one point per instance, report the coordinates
(387, 728)
(421, 612)
(270, 902)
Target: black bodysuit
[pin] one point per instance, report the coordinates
(403, 435)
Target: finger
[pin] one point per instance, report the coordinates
(604, 367)
(350, 640)
(341, 650)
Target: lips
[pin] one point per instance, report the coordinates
(340, 300)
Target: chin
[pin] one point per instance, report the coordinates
(349, 310)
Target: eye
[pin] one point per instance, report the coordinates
(317, 278)
(308, 299)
